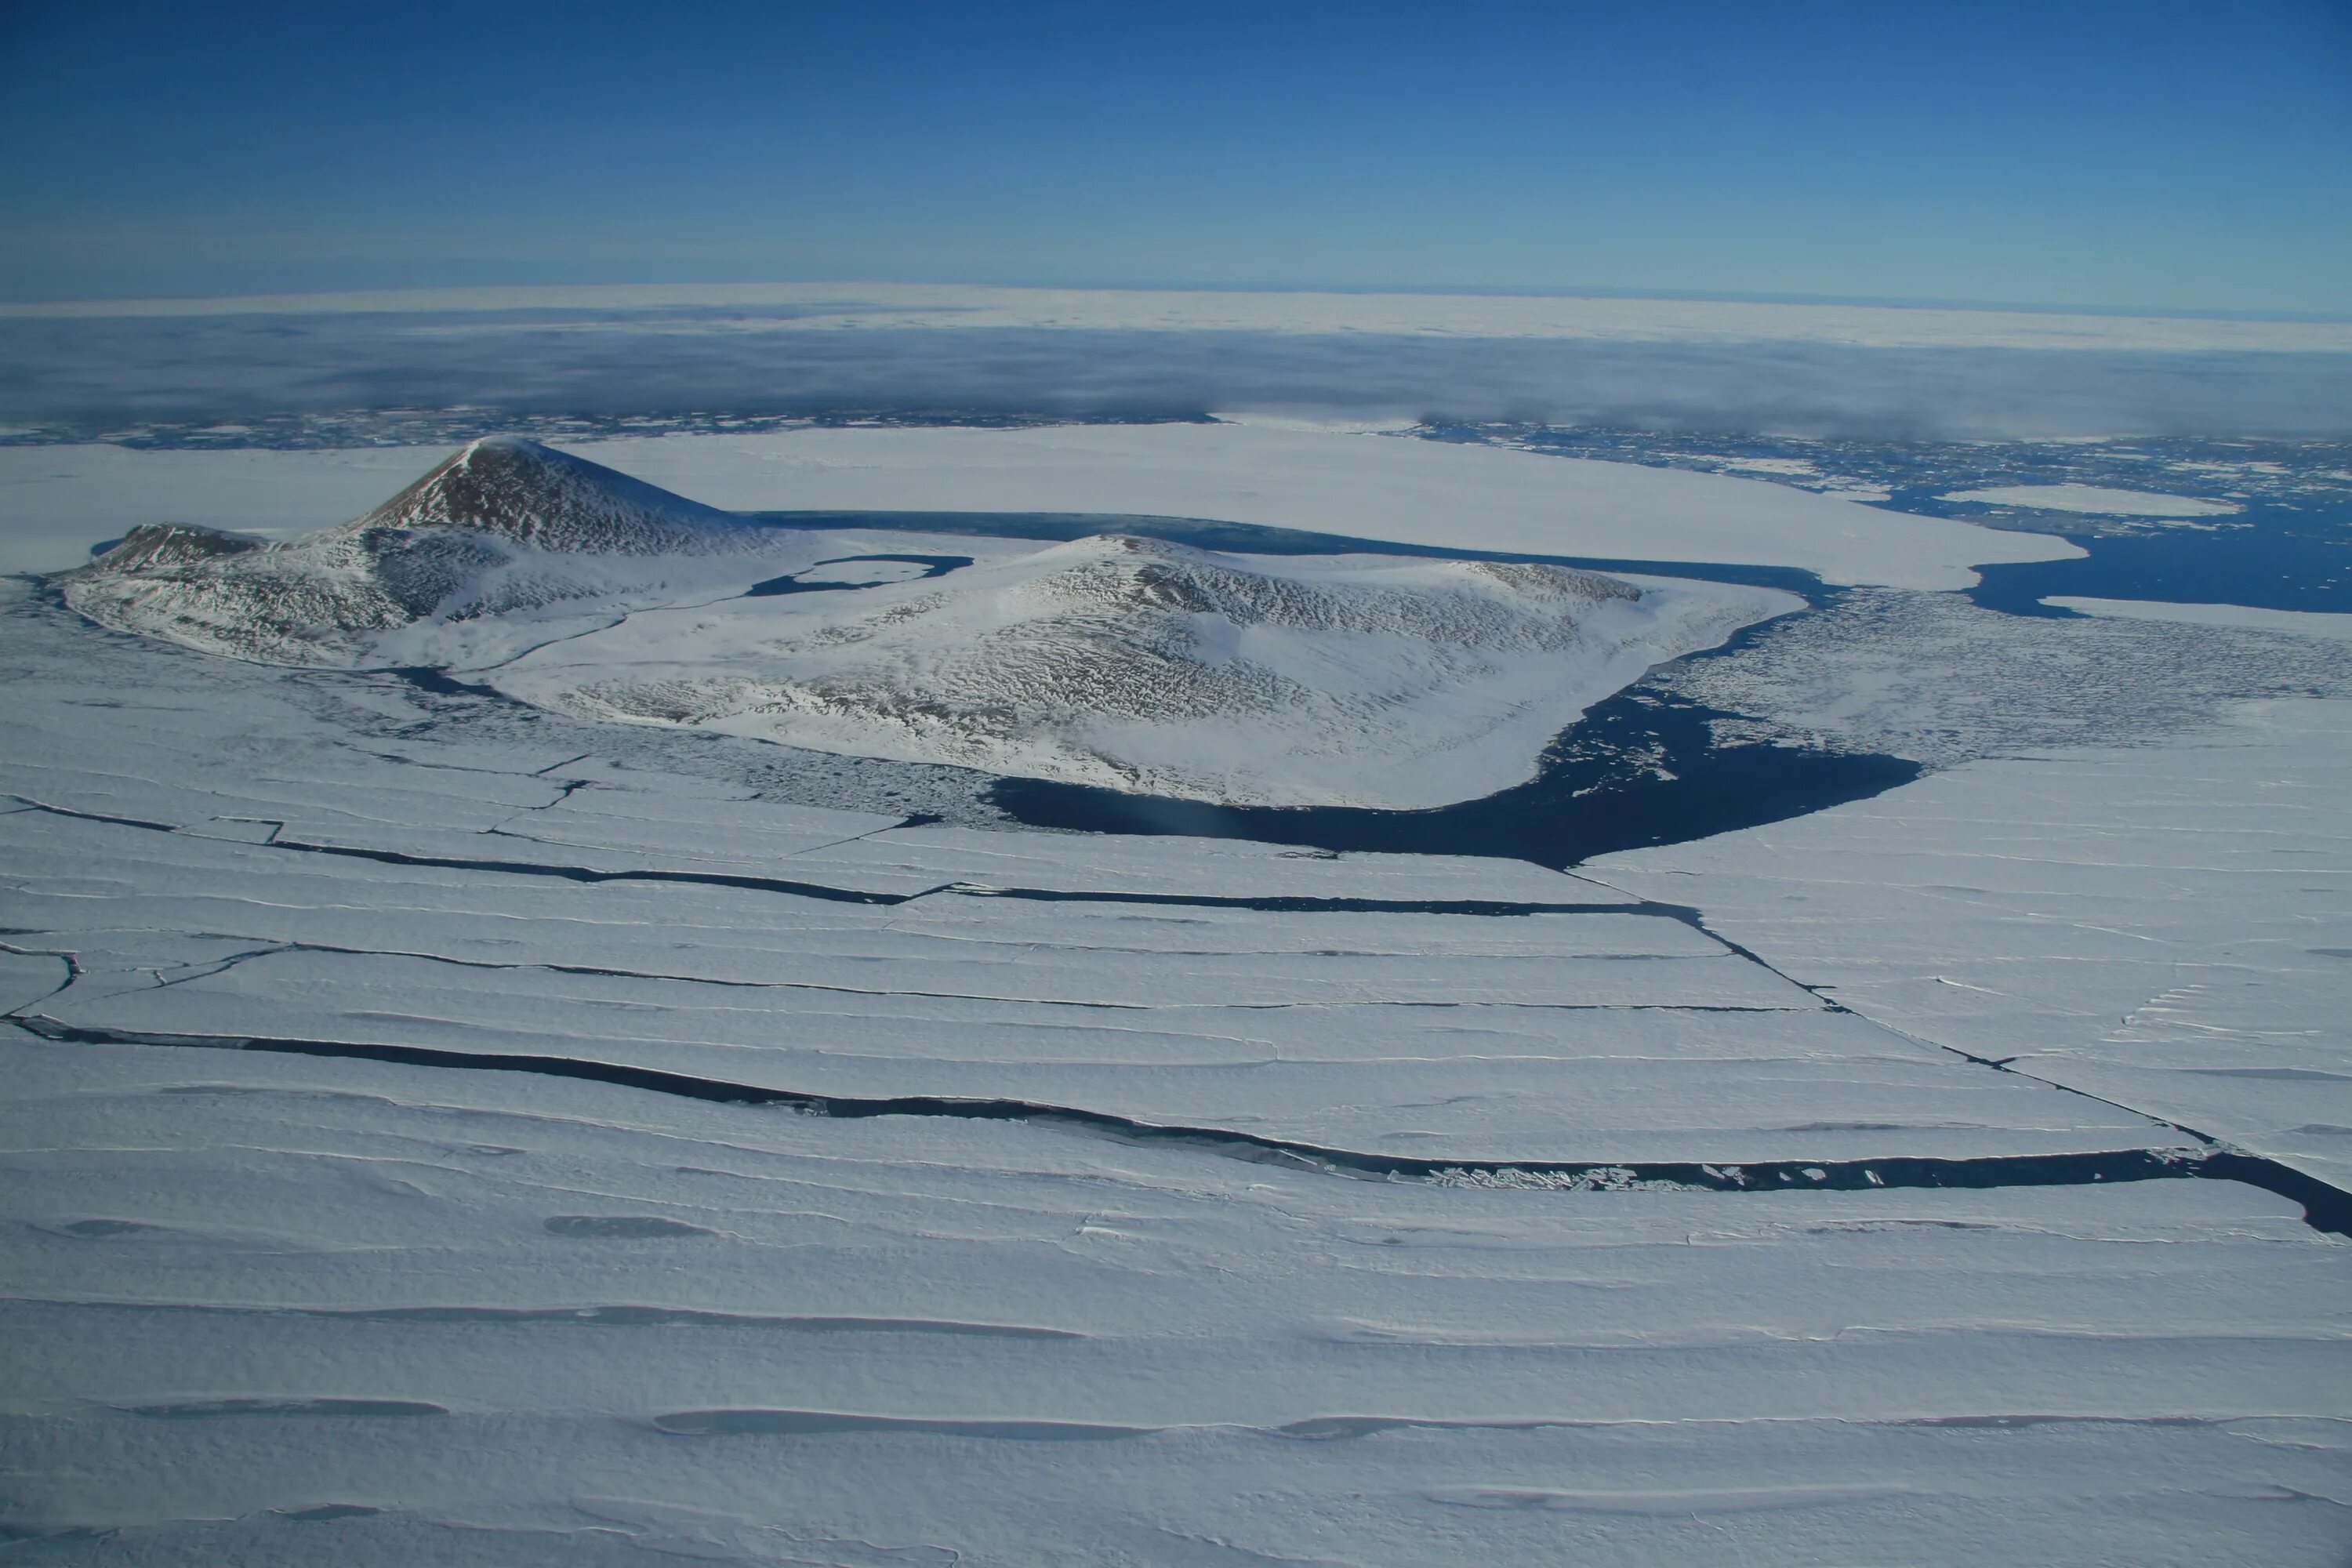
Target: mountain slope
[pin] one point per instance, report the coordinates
(1139, 664)
(500, 525)
(1117, 660)
(534, 495)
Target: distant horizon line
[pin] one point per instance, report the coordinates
(309, 300)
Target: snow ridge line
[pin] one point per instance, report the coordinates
(2326, 1208)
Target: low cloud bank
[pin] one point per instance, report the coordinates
(91, 374)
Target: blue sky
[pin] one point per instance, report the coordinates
(2146, 154)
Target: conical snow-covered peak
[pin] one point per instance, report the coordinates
(535, 495)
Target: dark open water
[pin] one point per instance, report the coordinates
(1642, 768)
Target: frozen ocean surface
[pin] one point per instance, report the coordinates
(440, 1129)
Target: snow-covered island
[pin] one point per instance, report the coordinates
(1120, 660)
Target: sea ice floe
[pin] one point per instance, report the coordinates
(2334, 626)
(2159, 926)
(348, 1270)
(271, 1306)
(2097, 500)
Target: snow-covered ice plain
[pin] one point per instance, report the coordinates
(2302, 623)
(448, 1128)
(2096, 500)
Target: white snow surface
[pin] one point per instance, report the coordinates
(2097, 500)
(501, 531)
(261, 1307)
(550, 500)
(2164, 926)
(273, 1308)
(1117, 660)
(1140, 665)
(1388, 487)
(2332, 626)
(56, 500)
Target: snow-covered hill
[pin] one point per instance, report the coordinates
(1144, 665)
(1115, 660)
(535, 495)
(502, 525)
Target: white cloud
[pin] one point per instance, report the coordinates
(1796, 369)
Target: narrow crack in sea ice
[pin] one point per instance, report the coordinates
(208, 968)
(1275, 904)
(2325, 1207)
(1996, 1064)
